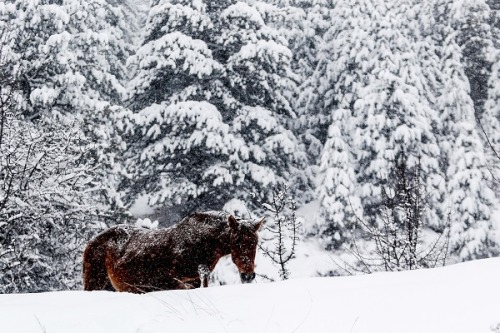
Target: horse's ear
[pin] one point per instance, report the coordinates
(231, 221)
(259, 223)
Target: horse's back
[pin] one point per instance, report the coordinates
(119, 239)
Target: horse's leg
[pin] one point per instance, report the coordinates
(204, 272)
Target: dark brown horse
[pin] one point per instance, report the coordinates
(125, 258)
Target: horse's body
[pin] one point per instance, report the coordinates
(125, 258)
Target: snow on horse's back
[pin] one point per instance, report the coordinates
(125, 258)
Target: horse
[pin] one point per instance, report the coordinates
(131, 259)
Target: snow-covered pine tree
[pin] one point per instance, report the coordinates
(72, 69)
(62, 65)
(470, 196)
(418, 25)
(425, 38)
(302, 23)
(100, 46)
(328, 101)
(489, 125)
(211, 107)
(471, 21)
(370, 74)
(495, 22)
(340, 206)
(315, 55)
(393, 116)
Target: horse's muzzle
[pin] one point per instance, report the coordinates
(247, 277)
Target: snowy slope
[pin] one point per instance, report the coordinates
(459, 298)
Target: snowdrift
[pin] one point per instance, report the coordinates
(458, 298)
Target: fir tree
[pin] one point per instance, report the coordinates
(212, 107)
(489, 125)
(470, 19)
(471, 198)
(340, 206)
(370, 74)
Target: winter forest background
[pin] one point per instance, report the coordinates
(379, 120)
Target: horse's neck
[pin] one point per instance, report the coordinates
(216, 246)
(224, 239)
(215, 238)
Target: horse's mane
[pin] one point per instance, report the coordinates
(220, 217)
(213, 215)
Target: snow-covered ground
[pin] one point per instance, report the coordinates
(458, 298)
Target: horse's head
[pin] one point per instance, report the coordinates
(244, 240)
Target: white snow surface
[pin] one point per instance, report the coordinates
(458, 298)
